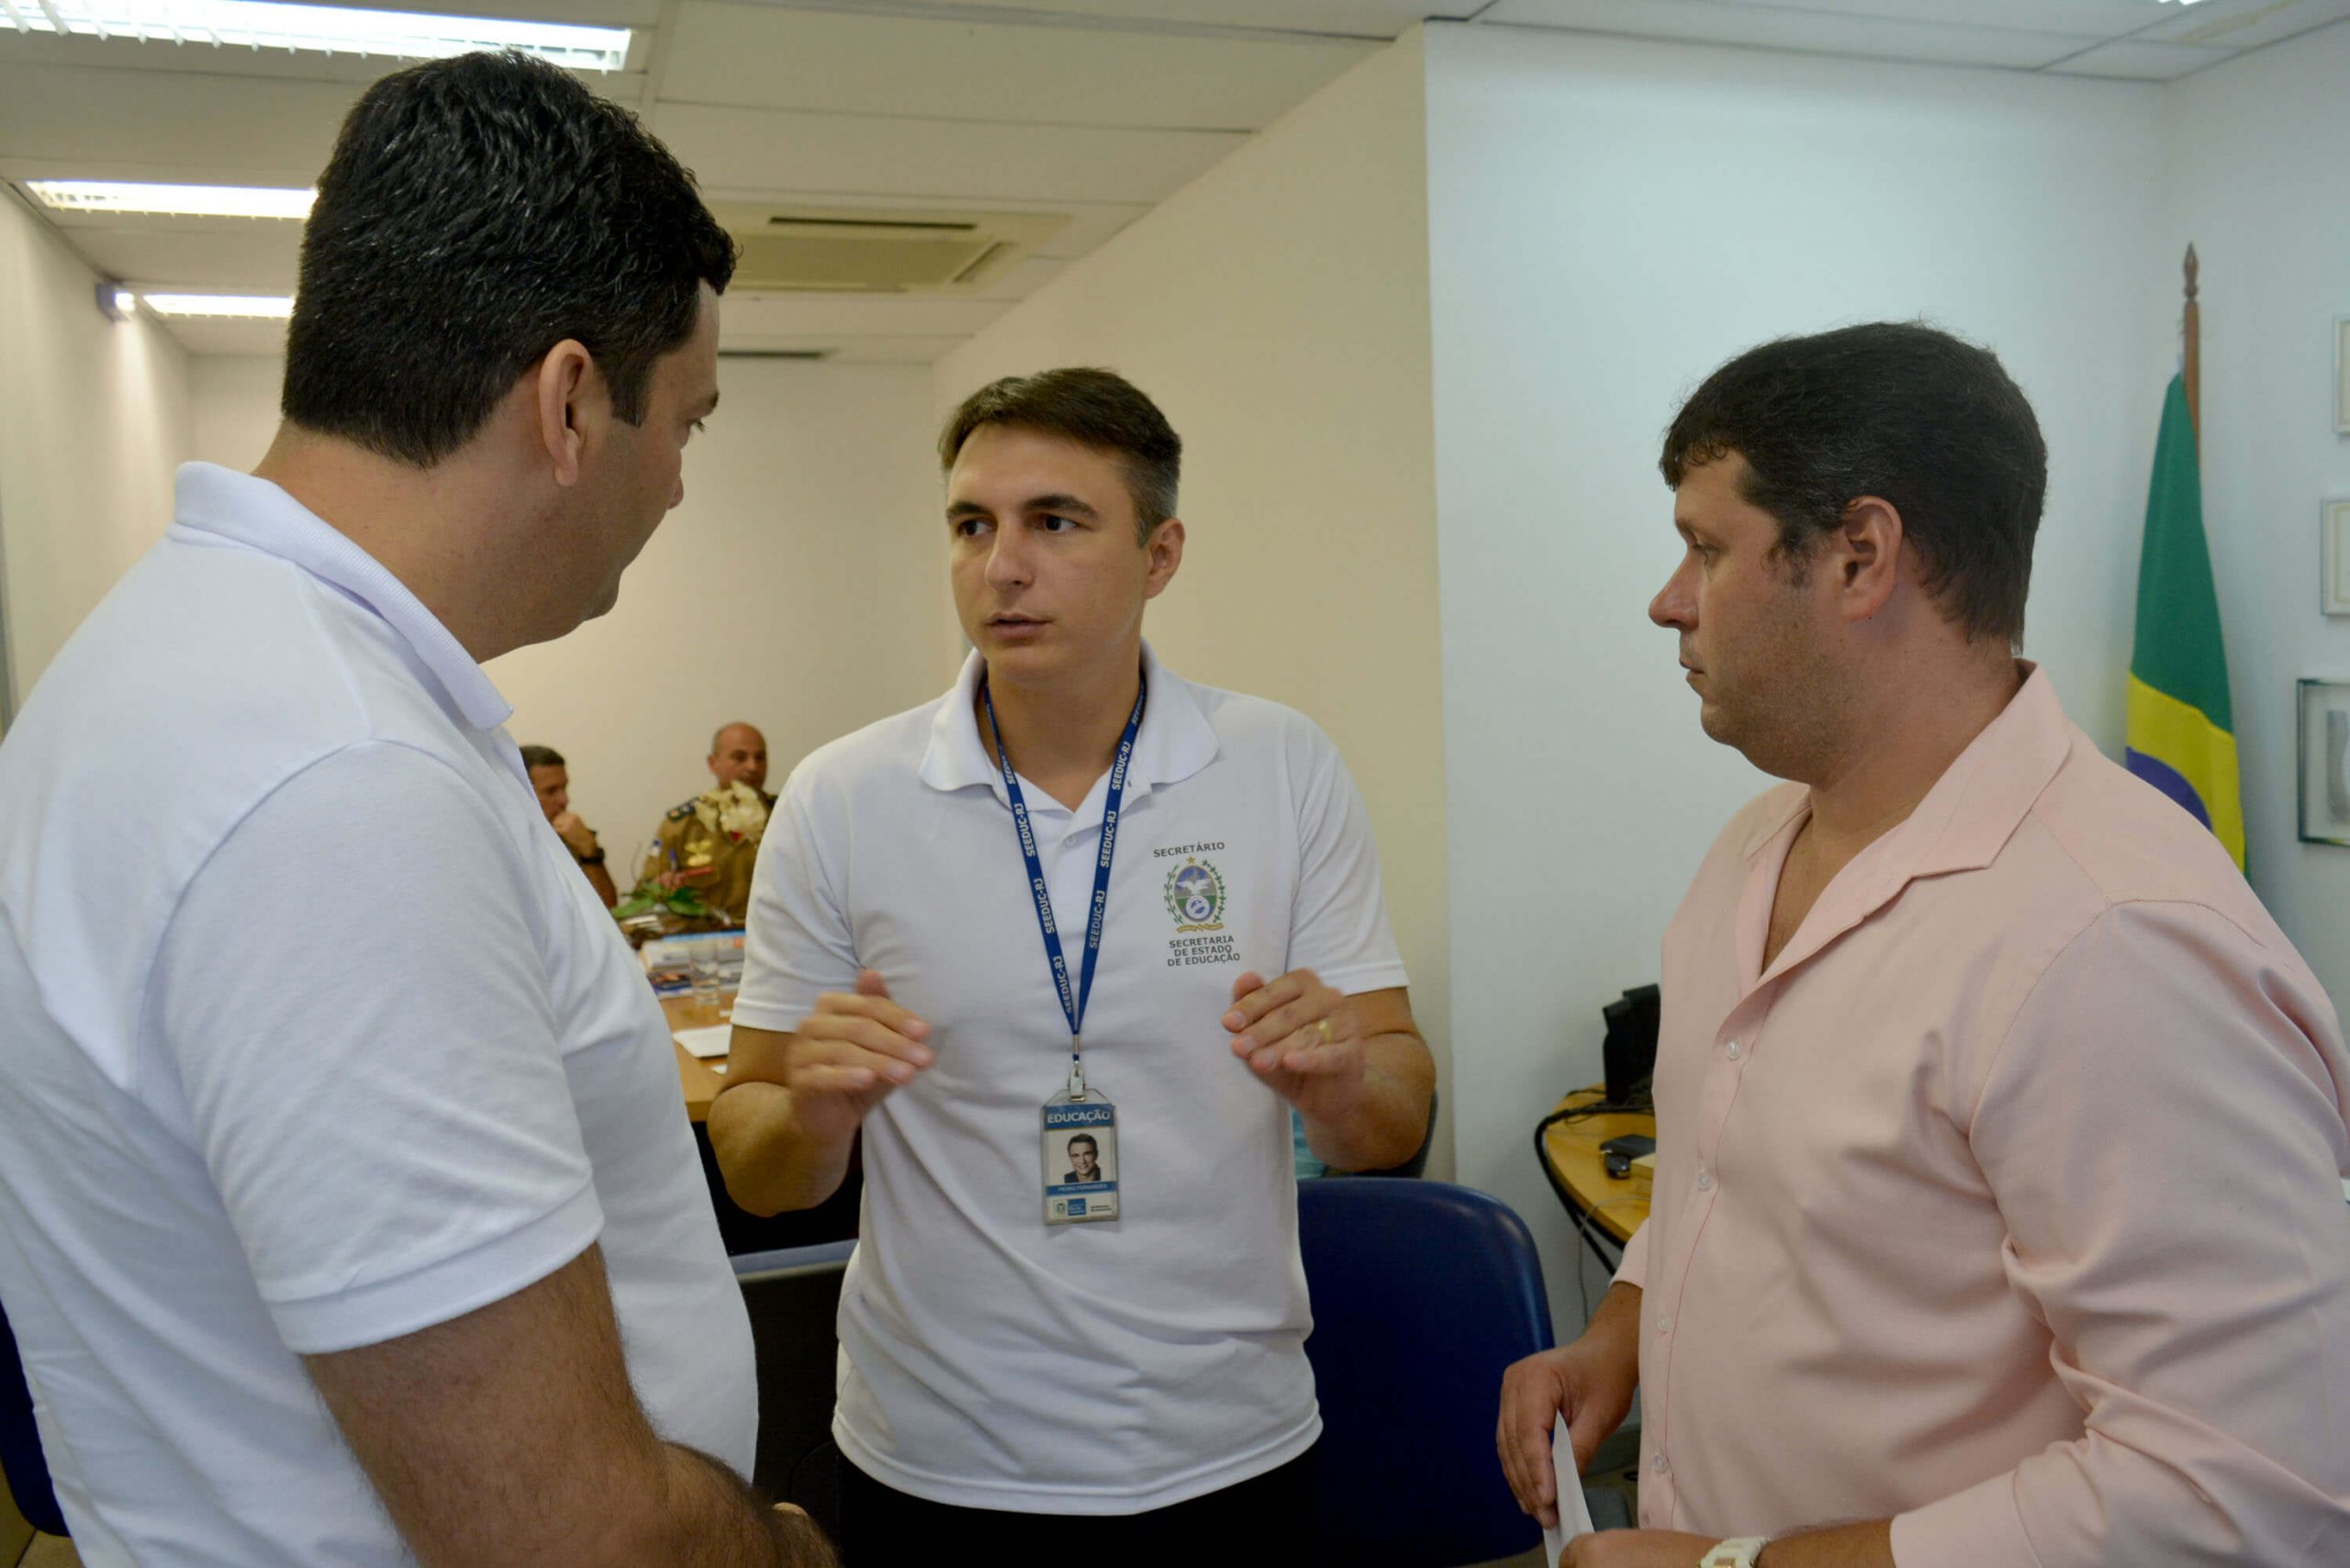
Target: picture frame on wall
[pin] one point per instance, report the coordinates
(2333, 557)
(2325, 762)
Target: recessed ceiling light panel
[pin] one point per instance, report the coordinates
(179, 201)
(331, 30)
(253, 307)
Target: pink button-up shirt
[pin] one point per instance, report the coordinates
(2008, 1200)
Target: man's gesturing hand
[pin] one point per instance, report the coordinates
(1300, 1037)
(848, 1054)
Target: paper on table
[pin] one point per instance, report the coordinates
(709, 1042)
(1574, 1514)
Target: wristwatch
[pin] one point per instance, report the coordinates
(1741, 1552)
(595, 859)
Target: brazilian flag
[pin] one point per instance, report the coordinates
(2182, 730)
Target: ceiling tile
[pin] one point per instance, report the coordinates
(254, 259)
(2079, 18)
(221, 335)
(768, 151)
(1817, 32)
(2143, 62)
(1357, 18)
(2246, 24)
(764, 57)
(587, 13)
(73, 122)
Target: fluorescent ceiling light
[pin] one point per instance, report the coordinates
(259, 307)
(183, 201)
(334, 29)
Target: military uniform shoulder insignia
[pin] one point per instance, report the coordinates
(679, 813)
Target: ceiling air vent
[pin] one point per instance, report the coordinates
(841, 250)
(811, 355)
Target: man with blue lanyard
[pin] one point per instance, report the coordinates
(1046, 906)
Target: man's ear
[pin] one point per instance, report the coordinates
(1865, 554)
(569, 396)
(1165, 548)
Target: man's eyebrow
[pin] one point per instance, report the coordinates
(967, 508)
(1061, 503)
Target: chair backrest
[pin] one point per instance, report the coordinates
(794, 1297)
(25, 1466)
(1424, 1293)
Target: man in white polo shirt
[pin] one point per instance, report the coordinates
(1046, 904)
(340, 1151)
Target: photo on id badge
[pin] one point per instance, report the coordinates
(1081, 1161)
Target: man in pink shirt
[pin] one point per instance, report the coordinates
(1998, 1198)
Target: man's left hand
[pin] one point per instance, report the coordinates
(1301, 1037)
(576, 835)
(1637, 1549)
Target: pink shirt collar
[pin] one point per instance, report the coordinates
(1961, 825)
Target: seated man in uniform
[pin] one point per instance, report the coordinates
(712, 842)
(551, 781)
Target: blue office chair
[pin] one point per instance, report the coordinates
(794, 1296)
(1424, 1294)
(26, 1467)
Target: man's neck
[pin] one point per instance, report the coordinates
(1905, 742)
(423, 526)
(1063, 735)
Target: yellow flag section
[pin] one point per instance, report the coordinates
(2179, 741)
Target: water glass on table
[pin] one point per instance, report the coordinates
(703, 963)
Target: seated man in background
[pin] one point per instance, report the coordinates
(551, 781)
(348, 1213)
(2001, 1132)
(712, 843)
(1032, 1365)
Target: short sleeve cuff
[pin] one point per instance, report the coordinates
(775, 1016)
(1965, 1529)
(439, 1292)
(1361, 978)
(1634, 1269)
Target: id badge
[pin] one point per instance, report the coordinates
(1080, 1152)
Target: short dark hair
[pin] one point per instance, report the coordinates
(541, 756)
(1088, 1139)
(1899, 410)
(1093, 407)
(478, 211)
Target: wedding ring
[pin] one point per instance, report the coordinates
(1325, 1026)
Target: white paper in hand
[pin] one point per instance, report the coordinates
(1574, 1514)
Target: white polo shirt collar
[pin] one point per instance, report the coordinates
(1177, 739)
(243, 510)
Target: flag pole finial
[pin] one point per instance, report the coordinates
(2191, 353)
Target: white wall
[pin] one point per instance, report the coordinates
(1610, 221)
(1277, 310)
(93, 419)
(2259, 186)
(798, 587)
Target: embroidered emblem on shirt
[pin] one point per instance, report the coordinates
(1195, 897)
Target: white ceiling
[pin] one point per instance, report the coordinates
(1093, 110)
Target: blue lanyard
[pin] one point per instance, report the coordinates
(1073, 1001)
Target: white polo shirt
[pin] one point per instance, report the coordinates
(311, 1036)
(987, 1361)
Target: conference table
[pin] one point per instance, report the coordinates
(1606, 1209)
